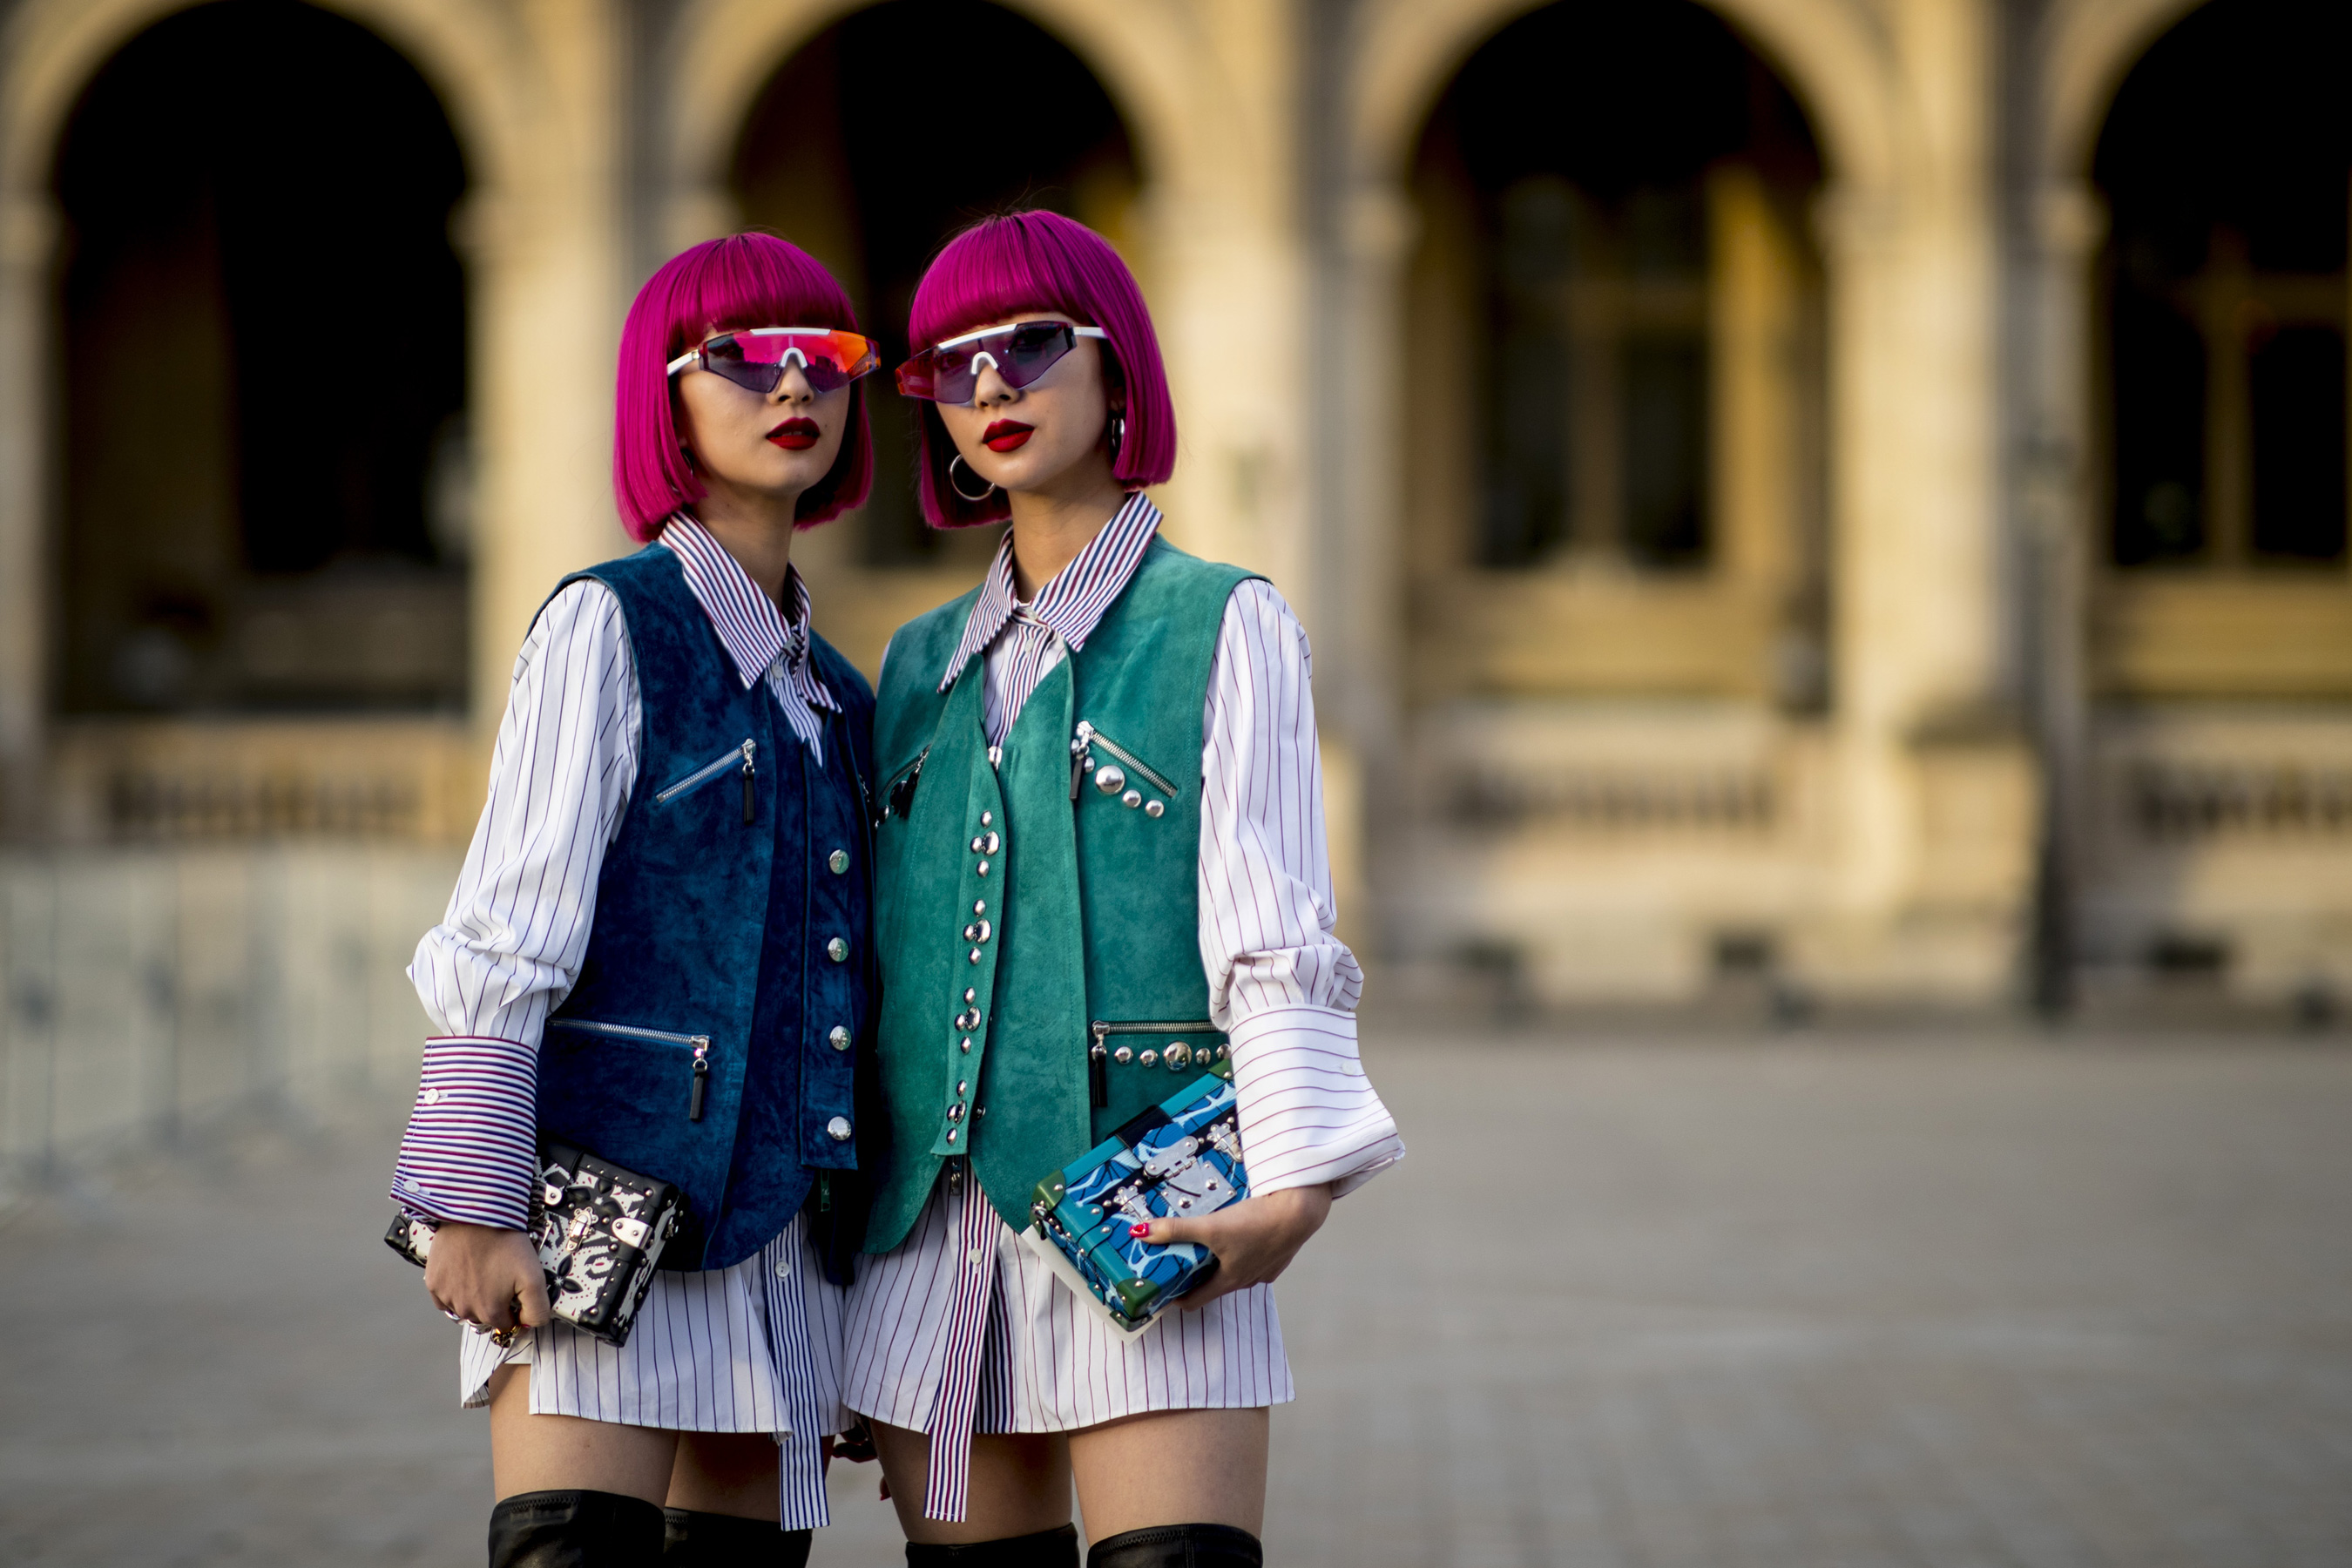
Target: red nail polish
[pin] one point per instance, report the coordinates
(1139, 1230)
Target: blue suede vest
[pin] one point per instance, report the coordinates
(740, 941)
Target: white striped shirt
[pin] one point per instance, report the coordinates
(510, 947)
(753, 1348)
(958, 1330)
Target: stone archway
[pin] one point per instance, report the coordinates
(1215, 240)
(529, 99)
(1921, 680)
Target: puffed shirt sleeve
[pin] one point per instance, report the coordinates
(1281, 985)
(510, 946)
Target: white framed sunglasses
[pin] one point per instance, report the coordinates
(755, 358)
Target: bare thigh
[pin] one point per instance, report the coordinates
(726, 1473)
(1019, 1485)
(1172, 1467)
(711, 1472)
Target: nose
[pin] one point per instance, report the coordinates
(793, 387)
(988, 387)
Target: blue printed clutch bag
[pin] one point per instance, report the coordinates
(1180, 1159)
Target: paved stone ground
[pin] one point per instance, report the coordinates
(1962, 1300)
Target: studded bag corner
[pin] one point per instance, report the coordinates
(599, 1229)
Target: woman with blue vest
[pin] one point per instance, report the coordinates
(1029, 901)
(658, 951)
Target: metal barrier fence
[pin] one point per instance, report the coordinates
(151, 990)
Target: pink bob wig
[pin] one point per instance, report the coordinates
(1000, 267)
(742, 280)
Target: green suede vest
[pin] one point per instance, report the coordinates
(1009, 918)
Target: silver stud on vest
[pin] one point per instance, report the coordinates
(1131, 799)
(1154, 808)
(1110, 779)
(839, 1038)
(1178, 1056)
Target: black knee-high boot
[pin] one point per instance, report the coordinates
(691, 1540)
(1178, 1546)
(575, 1530)
(1046, 1549)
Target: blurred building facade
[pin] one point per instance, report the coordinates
(1846, 497)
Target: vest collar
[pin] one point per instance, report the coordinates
(1072, 603)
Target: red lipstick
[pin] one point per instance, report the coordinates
(1006, 435)
(795, 435)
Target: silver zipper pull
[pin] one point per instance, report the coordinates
(750, 748)
(701, 1076)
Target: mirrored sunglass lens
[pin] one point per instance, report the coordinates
(759, 378)
(1032, 350)
(1029, 342)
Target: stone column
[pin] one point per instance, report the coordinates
(2051, 498)
(1936, 780)
(28, 234)
(546, 264)
(1359, 520)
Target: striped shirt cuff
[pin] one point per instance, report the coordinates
(1308, 1114)
(471, 1150)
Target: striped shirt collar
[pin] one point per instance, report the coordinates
(755, 631)
(1073, 602)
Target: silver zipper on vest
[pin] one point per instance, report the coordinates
(900, 797)
(1098, 1052)
(698, 1044)
(736, 756)
(1088, 736)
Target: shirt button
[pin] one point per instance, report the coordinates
(839, 861)
(839, 1038)
(838, 1128)
(431, 1097)
(783, 1267)
(837, 950)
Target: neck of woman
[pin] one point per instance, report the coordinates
(756, 530)
(1051, 526)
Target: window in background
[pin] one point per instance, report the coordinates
(2227, 162)
(1593, 138)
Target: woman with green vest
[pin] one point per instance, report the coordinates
(1101, 804)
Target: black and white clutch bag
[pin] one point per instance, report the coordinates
(600, 1231)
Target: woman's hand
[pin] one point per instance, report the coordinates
(481, 1273)
(1254, 1241)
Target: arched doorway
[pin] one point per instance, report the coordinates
(2218, 630)
(1615, 309)
(263, 343)
(844, 154)
(1615, 554)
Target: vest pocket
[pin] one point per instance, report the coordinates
(1174, 1054)
(900, 797)
(738, 759)
(696, 1067)
(1110, 778)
